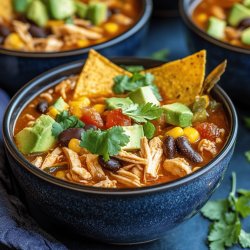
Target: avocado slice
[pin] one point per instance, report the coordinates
(144, 95)
(116, 103)
(237, 14)
(21, 6)
(178, 114)
(245, 36)
(37, 12)
(61, 9)
(60, 105)
(247, 3)
(81, 9)
(135, 134)
(38, 138)
(216, 28)
(97, 13)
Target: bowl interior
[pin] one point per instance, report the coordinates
(144, 15)
(54, 76)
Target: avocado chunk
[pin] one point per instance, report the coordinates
(118, 103)
(216, 28)
(245, 36)
(97, 13)
(21, 6)
(135, 134)
(38, 138)
(178, 114)
(247, 3)
(81, 9)
(38, 13)
(237, 14)
(61, 9)
(60, 105)
(144, 95)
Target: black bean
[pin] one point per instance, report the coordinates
(38, 32)
(169, 147)
(42, 106)
(88, 127)
(65, 137)
(244, 24)
(4, 31)
(186, 150)
(112, 164)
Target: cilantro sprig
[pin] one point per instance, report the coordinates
(106, 143)
(124, 84)
(65, 121)
(226, 229)
(143, 113)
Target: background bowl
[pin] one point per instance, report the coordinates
(17, 68)
(111, 215)
(236, 78)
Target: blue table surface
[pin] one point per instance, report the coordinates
(168, 34)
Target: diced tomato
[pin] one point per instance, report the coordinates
(208, 131)
(116, 118)
(91, 117)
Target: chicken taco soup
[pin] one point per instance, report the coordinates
(117, 126)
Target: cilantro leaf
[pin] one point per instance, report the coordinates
(244, 192)
(65, 121)
(124, 84)
(247, 121)
(242, 206)
(106, 143)
(214, 210)
(143, 113)
(133, 68)
(149, 130)
(244, 239)
(247, 155)
(160, 54)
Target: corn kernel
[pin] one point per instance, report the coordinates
(100, 108)
(53, 112)
(55, 23)
(192, 134)
(111, 27)
(78, 105)
(74, 145)
(82, 43)
(60, 174)
(202, 17)
(13, 41)
(175, 132)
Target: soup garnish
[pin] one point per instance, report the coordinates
(50, 26)
(228, 21)
(111, 128)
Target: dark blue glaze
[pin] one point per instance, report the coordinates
(113, 216)
(17, 68)
(236, 78)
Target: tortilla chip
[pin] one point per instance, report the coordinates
(6, 9)
(181, 80)
(96, 78)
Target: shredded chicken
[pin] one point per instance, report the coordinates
(94, 167)
(153, 152)
(207, 145)
(82, 23)
(122, 19)
(49, 44)
(137, 171)
(126, 181)
(75, 165)
(107, 183)
(129, 167)
(29, 117)
(38, 161)
(51, 158)
(64, 87)
(132, 158)
(128, 175)
(47, 96)
(196, 168)
(178, 166)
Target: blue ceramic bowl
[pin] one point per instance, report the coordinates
(120, 216)
(17, 68)
(236, 79)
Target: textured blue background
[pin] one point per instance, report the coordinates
(168, 34)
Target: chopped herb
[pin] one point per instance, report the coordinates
(160, 55)
(143, 113)
(124, 84)
(247, 155)
(106, 143)
(133, 68)
(226, 229)
(247, 122)
(149, 130)
(65, 121)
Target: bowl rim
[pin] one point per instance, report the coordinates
(147, 8)
(52, 77)
(184, 10)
